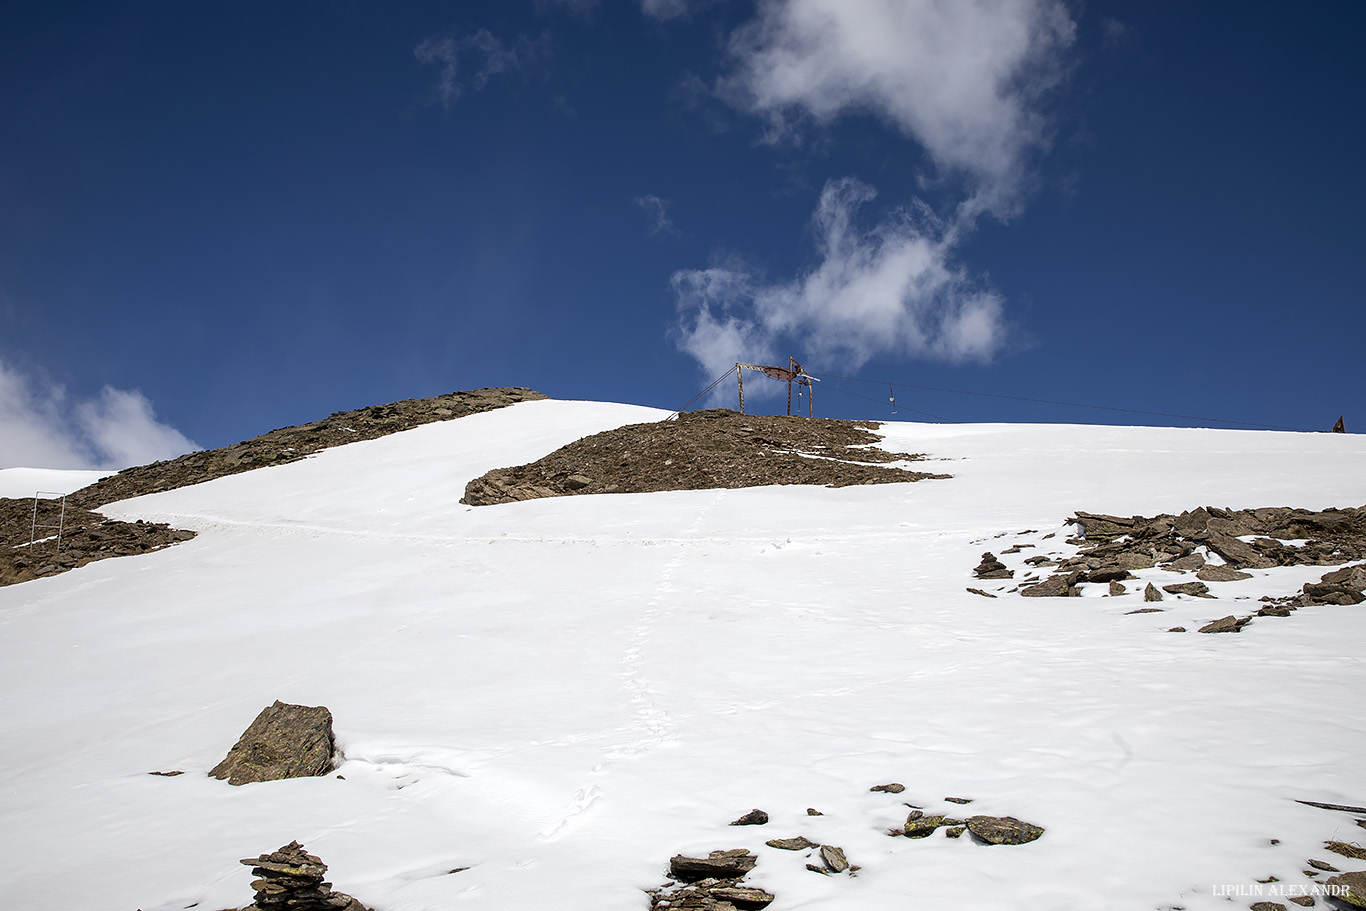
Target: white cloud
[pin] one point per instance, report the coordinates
(664, 9)
(42, 427)
(657, 213)
(961, 78)
(886, 290)
(471, 60)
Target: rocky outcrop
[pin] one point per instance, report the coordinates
(86, 538)
(285, 741)
(292, 880)
(702, 450)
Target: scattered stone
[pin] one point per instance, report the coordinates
(1267, 906)
(1327, 593)
(1151, 593)
(1198, 589)
(958, 800)
(752, 818)
(292, 879)
(894, 787)
(834, 859)
(1177, 629)
(815, 869)
(800, 843)
(1144, 610)
(1304, 900)
(729, 864)
(1322, 865)
(740, 896)
(1229, 624)
(285, 741)
(955, 832)
(1185, 564)
(1111, 574)
(812, 811)
(1353, 885)
(978, 591)
(1212, 573)
(1053, 587)
(992, 568)
(1003, 830)
(1117, 589)
(168, 774)
(918, 825)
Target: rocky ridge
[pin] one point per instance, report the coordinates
(702, 450)
(88, 536)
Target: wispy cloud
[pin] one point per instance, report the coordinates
(665, 9)
(962, 80)
(470, 61)
(657, 214)
(41, 426)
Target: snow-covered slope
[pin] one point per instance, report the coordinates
(561, 694)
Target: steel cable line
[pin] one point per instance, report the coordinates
(1021, 398)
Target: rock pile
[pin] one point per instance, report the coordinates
(285, 741)
(992, 568)
(711, 883)
(292, 879)
(702, 450)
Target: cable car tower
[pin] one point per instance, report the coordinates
(793, 372)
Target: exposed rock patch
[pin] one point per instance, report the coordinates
(711, 883)
(285, 741)
(992, 568)
(702, 450)
(289, 444)
(88, 536)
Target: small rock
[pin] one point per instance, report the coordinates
(919, 825)
(891, 788)
(577, 482)
(1323, 865)
(1117, 589)
(1052, 587)
(1229, 624)
(815, 869)
(1304, 900)
(285, 741)
(1003, 830)
(1144, 610)
(1210, 573)
(958, 800)
(1151, 593)
(1177, 629)
(752, 818)
(1267, 906)
(742, 896)
(955, 832)
(834, 859)
(1185, 564)
(1198, 589)
(978, 591)
(812, 811)
(799, 843)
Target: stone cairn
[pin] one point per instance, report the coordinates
(292, 880)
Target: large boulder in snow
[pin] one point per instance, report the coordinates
(285, 741)
(1003, 830)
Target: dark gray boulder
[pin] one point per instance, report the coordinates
(1198, 589)
(752, 818)
(1229, 624)
(1052, 587)
(285, 741)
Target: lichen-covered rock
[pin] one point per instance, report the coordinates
(834, 859)
(800, 843)
(919, 825)
(1351, 887)
(754, 817)
(894, 787)
(1003, 830)
(285, 741)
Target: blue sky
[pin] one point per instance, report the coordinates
(220, 219)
